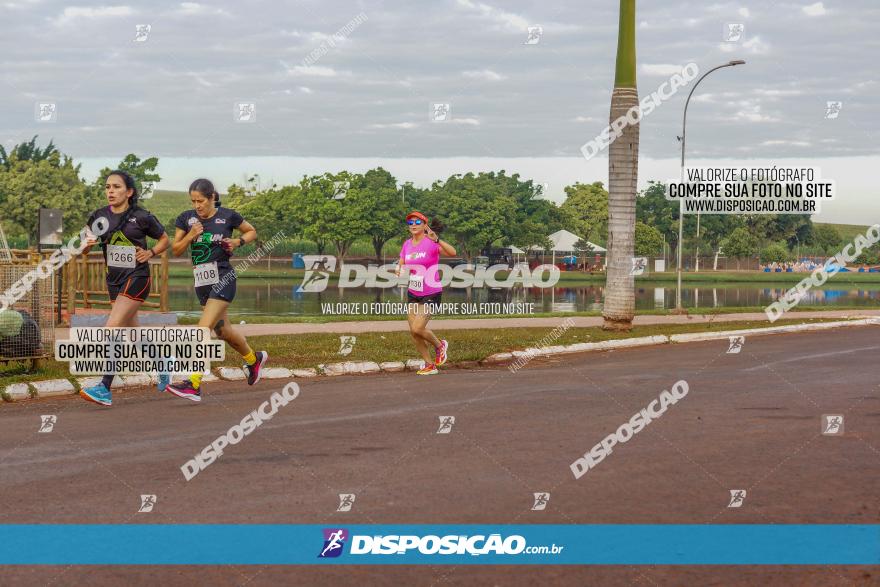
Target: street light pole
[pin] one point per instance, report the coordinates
(681, 202)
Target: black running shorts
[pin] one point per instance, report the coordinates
(428, 299)
(224, 290)
(136, 288)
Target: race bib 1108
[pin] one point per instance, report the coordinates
(206, 274)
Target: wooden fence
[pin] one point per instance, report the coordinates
(85, 283)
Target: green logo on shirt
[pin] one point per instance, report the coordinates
(120, 239)
(201, 249)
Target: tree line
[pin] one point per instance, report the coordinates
(479, 210)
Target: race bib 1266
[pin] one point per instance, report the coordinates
(121, 256)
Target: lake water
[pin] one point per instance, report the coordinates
(279, 297)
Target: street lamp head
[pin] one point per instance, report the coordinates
(737, 62)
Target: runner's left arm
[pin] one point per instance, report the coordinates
(248, 235)
(445, 248)
(155, 230)
(146, 254)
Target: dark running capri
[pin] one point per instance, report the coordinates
(135, 288)
(224, 290)
(428, 299)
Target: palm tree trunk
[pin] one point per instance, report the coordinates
(623, 160)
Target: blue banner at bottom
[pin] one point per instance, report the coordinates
(529, 544)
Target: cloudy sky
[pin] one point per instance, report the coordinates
(353, 83)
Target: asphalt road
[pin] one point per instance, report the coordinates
(750, 421)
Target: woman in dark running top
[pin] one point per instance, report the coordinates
(127, 255)
(207, 231)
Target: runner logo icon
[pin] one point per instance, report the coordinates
(737, 497)
(317, 276)
(47, 423)
(334, 542)
(541, 500)
(346, 344)
(832, 424)
(736, 344)
(346, 500)
(147, 503)
(446, 423)
(639, 264)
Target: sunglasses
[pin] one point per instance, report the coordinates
(416, 221)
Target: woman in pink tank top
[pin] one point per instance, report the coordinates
(419, 257)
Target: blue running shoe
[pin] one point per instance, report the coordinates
(98, 394)
(164, 380)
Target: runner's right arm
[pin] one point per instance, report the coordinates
(91, 239)
(182, 238)
(90, 243)
(400, 260)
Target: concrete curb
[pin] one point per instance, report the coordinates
(699, 336)
(17, 392)
(60, 387)
(231, 373)
(580, 347)
(53, 387)
(276, 373)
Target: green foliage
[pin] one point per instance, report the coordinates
(28, 151)
(740, 243)
(847, 232)
(28, 185)
(775, 253)
(648, 240)
(379, 206)
(653, 209)
(585, 209)
(826, 238)
(715, 228)
(166, 205)
(480, 210)
(328, 218)
(487, 209)
(866, 257)
(792, 228)
(535, 219)
(475, 208)
(583, 247)
(270, 211)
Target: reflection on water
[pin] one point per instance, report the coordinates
(279, 297)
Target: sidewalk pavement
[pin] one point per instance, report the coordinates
(476, 323)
